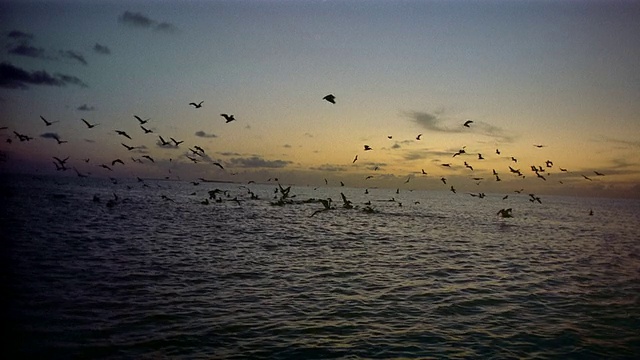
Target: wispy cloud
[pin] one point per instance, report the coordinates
(436, 122)
(101, 49)
(138, 20)
(85, 107)
(73, 55)
(203, 134)
(258, 162)
(626, 143)
(13, 77)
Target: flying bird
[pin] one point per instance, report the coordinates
(48, 123)
(198, 105)
(142, 122)
(90, 126)
(418, 137)
(498, 151)
(598, 173)
(539, 145)
(123, 133)
(128, 147)
(113, 163)
(148, 157)
(218, 165)
(467, 123)
(330, 98)
(584, 176)
(228, 118)
(355, 159)
(146, 131)
(480, 157)
(163, 143)
(176, 142)
(367, 147)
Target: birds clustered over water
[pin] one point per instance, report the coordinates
(282, 196)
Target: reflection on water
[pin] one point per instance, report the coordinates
(151, 278)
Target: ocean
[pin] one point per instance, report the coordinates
(150, 270)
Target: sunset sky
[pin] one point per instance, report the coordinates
(563, 74)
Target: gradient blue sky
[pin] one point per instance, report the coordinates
(564, 74)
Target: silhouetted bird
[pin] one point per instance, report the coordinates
(598, 173)
(48, 123)
(480, 157)
(330, 98)
(146, 131)
(228, 118)
(90, 126)
(220, 165)
(163, 143)
(453, 190)
(418, 137)
(142, 122)
(123, 133)
(538, 146)
(355, 159)
(105, 166)
(128, 147)
(148, 157)
(198, 105)
(113, 163)
(584, 176)
(467, 123)
(176, 141)
(498, 151)
(367, 147)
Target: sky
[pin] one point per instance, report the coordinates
(561, 74)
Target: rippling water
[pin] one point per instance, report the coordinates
(442, 278)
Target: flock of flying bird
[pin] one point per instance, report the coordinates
(197, 154)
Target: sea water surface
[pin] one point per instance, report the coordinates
(439, 276)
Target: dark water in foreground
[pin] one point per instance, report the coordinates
(446, 278)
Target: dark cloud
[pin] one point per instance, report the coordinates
(258, 162)
(203, 134)
(50, 135)
(29, 51)
(13, 77)
(135, 19)
(329, 167)
(70, 54)
(142, 21)
(228, 153)
(101, 49)
(19, 35)
(85, 107)
(166, 27)
(432, 122)
(424, 154)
